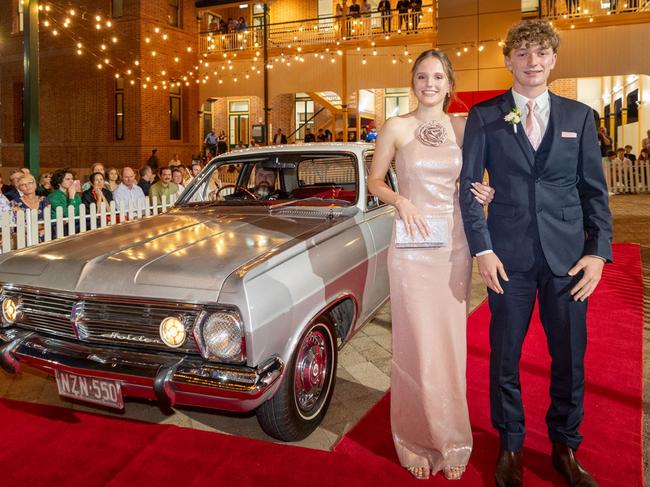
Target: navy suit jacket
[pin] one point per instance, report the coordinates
(555, 197)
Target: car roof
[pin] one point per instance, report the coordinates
(312, 146)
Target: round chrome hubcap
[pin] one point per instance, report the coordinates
(311, 373)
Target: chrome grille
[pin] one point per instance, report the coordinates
(93, 320)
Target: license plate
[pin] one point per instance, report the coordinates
(105, 392)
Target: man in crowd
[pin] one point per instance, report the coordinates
(309, 136)
(12, 192)
(628, 153)
(279, 138)
(146, 179)
(645, 143)
(210, 142)
(128, 191)
(153, 162)
(164, 188)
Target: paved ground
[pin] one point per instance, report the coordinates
(364, 365)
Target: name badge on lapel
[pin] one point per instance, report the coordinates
(569, 135)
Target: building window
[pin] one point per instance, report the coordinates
(304, 114)
(174, 13)
(19, 20)
(175, 113)
(117, 8)
(396, 102)
(119, 109)
(633, 106)
(238, 123)
(207, 118)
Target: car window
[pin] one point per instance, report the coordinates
(373, 201)
(327, 179)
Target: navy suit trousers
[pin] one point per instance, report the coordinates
(564, 322)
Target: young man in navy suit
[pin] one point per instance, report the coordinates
(547, 237)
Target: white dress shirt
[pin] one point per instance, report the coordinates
(542, 108)
(123, 194)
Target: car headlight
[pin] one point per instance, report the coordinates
(221, 337)
(10, 309)
(172, 331)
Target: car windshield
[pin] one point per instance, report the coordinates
(276, 179)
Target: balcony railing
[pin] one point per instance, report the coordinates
(324, 30)
(568, 9)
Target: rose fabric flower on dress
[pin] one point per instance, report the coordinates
(431, 133)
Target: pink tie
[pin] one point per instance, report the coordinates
(533, 130)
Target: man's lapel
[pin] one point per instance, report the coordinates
(555, 122)
(507, 104)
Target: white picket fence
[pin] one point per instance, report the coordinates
(623, 177)
(26, 229)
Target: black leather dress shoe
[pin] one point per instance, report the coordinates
(510, 469)
(565, 462)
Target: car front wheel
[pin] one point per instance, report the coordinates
(299, 405)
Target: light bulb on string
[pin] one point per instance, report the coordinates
(363, 60)
(394, 59)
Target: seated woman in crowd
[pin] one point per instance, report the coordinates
(65, 193)
(29, 199)
(44, 184)
(97, 193)
(112, 179)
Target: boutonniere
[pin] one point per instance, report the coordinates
(513, 118)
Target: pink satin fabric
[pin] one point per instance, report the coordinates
(429, 291)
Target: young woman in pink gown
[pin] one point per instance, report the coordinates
(429, 287)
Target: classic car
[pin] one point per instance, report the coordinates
(236, 299)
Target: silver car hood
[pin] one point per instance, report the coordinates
(180, 255)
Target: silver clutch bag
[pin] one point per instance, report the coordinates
(438, 235)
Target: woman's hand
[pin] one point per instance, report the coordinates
(411, 216)
(482, 193)
(71, 192)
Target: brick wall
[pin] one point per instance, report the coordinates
(567, 88)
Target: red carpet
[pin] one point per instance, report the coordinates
(44, 445)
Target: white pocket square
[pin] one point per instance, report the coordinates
(569, 135)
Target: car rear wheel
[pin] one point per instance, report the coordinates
(301, 402)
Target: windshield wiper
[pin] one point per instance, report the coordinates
(311, 198)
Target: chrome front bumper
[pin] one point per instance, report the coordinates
(170, 379)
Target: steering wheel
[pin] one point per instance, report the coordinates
(215, 195)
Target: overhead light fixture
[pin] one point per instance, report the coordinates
(243, 5)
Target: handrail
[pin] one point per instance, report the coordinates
(556, 10)
(292, 134)
(322, 30)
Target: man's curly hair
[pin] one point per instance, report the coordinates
(529, 32)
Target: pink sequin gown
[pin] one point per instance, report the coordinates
(429, 291)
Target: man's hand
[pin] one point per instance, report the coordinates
(490, 267)
(593, 270)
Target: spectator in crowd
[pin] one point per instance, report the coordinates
(96, 167)
(604, 141)
(364, 134)
(402, 8)
(620, 156)
(222, 144)
(12, 193)
(153, 162)
(45, 184)
(416, 12)
(177, 179)
(385, 11)
(112, 179)
(611, 156)
(164, 188)
(309, 137)
(279, 138)
(629, 155)
(97, 193)
(372, 135)
(25, 170)
(214, 24)
(146, 179)
(320, 136)
(210, 142)
(29, 200)
(341, 9)
(645, 143)
(65, 193)
(328, 135)
(240, 145)
(241, 25)
(643, 156)
(366, 11)
(5, 207)
(128, 191)
(3, 187)
(196, 169)
(175, 160)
